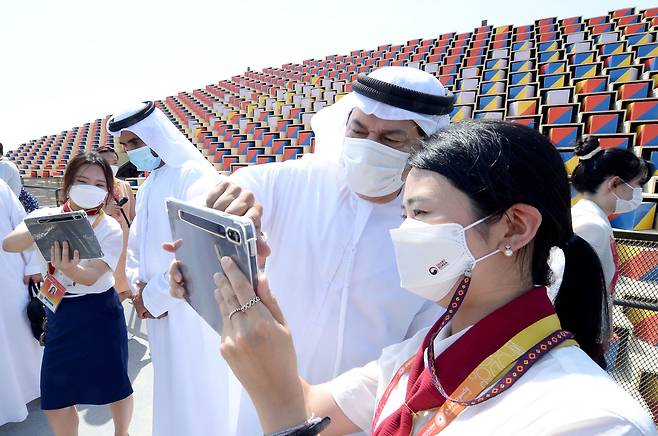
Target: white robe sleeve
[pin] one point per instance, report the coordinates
(156, 296)
(192, 186)
(10, 174)
(16, 216)
(261, 180)
(132, 257)
(17, 213)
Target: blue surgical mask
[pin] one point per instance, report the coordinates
(143, 159)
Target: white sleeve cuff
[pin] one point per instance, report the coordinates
(156, 296)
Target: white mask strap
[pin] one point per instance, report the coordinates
(478, 222)
(486, 256)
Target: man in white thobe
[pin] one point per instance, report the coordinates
(327, 218)
(187, 366)
(20, 358)
(10, 174)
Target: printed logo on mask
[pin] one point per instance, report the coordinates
(434, 269)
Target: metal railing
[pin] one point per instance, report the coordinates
(633, 354)
(48, 194)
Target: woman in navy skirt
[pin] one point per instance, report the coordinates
(85, 359)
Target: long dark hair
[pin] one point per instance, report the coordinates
(591, 172)
(80, 160)
(498, 164)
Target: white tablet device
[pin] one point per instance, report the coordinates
(72, 227)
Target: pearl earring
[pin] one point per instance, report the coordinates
(508, 250)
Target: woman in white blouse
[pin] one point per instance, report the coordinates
(610, 181)
(85, 359)
(485, 201)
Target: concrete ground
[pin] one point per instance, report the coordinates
(96, 420)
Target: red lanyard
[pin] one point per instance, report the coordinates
(406, 366)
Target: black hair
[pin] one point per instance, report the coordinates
(593, 171)
(498, 164)
(2, 150)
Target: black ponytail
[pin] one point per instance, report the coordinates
(582, 301)
(498, 164)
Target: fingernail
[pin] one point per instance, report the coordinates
(225, 261)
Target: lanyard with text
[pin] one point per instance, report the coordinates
(52, 291)
(504, 367)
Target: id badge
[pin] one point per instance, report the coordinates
(51, 293)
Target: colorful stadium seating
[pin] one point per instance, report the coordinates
(565, 77)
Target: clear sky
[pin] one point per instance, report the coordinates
(67, 62)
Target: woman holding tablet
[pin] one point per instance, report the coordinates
(85, 358)
(484, 202)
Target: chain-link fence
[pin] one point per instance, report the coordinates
(633, 354)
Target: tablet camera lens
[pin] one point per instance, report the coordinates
(233, 236)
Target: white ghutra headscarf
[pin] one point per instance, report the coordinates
(330, 123)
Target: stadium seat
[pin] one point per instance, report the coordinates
(603, 122)
(647, 134)
(563, 136)
(522, 108)
(645, 109)
(591, 84)
(617, 140)
(559, 80)
(553, 67)
(560, 114)
(461, 112)
(557, 96)
(596, 102)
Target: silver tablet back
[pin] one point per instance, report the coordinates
(207, 235)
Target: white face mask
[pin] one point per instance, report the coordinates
(431, 257)
(87, 196)
(623, 206)
(373, 169)
(115, 169)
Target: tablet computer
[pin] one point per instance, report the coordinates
(208, 235)
(73, 227)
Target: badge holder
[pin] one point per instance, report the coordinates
(51, 293)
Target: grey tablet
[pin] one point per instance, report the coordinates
(67, 226)
(208, 235)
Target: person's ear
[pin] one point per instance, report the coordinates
(613, 182)
(523, 222)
